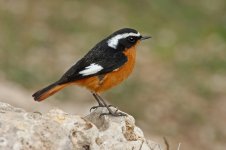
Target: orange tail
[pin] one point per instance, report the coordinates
(48, 91)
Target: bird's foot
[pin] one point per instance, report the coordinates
(95, 107)
(115, 113)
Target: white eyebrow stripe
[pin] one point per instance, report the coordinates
(91, 69)
(113, 42)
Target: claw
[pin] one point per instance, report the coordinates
(95, 107)
(115, 114)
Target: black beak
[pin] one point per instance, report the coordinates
(145, 37)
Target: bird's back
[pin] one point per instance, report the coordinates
(106, 81)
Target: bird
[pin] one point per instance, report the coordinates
(106, 65)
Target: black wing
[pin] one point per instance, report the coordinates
(109, 59)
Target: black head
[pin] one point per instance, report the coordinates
(124, 38)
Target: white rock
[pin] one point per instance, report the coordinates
(57, 130)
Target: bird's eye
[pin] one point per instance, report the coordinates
(131, 39)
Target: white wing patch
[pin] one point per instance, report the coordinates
(91, 69)
(113, 42)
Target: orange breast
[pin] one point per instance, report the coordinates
(113, 78)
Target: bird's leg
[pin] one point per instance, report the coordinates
(100, 104)
(116, 113)
(98, 100)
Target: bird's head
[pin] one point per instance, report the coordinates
(125, 38)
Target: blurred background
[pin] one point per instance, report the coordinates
(178, 88)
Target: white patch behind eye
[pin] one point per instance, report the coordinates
(113, 42)
(91, 69)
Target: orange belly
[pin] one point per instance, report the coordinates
(109, 80)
